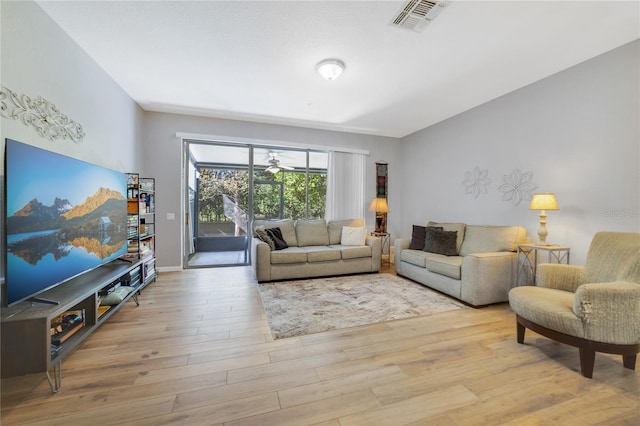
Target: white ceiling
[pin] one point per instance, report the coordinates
(255, 60)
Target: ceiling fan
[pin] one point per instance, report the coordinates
(274, 164)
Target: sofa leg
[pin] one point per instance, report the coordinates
(587, 360)
(629, 361)
(520, 329)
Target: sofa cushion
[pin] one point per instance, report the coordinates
(450, 266)
(275, 234)
(414, 257)
(488, 239)
(289, 255)
(353, 236)
(418, 234)
(458, 227)
(353, 252)
(440, 241)
(312, 233)
(335, 228)
(286, 227)
(321, 253)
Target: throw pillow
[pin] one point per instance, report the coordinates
(276, 235)
(447, 226)
(440, 242)
(116, 296)
(262, 234)
(353, 236)
(417, 237)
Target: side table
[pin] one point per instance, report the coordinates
(529, 257)
(386, 242)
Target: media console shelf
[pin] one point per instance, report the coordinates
(27, 342)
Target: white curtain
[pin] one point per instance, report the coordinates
(345, 186)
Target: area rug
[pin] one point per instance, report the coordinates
(303, 307)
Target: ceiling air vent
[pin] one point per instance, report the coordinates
(416, 14)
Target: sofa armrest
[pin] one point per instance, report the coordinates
(261, 259)
(559, 277)
(610, 311)
(488, 277)
(376, 252)
(399, 244)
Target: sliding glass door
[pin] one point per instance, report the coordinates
(229, 185)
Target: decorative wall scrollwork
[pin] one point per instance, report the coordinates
(40, 114)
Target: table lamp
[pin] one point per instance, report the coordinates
(543, 202)
(379, 205)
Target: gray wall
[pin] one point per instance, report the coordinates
(39, 59)
(577, 131)
(163, 157)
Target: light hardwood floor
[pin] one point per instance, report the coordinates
(198, 351)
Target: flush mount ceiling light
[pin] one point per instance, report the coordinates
(330, 69)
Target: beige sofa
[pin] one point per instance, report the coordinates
(314, 250)
(482, 273)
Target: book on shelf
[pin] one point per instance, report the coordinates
(102, 309)
(66, 325)
(146, 186)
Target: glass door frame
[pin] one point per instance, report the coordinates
(187, 142)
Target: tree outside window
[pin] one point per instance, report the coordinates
(269, 188)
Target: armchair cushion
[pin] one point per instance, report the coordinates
(547, 307)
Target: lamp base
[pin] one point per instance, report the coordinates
(542, 231)
(381, 222)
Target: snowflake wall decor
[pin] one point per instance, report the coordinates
(517, 186)
(476, 182)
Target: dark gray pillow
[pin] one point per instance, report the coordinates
(262, 234)
(276, 235)
(440, 242)
(417, 237)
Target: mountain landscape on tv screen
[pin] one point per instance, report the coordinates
(98, 225)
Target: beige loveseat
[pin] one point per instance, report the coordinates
(481, 272)
(314, 250)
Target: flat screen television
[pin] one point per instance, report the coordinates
(64, 217)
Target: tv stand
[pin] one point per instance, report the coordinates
(26, 342)
(34, 300)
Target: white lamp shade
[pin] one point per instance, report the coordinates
(379, 205)
(330, 69)
(543, 202)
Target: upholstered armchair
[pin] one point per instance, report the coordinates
(595, 307)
